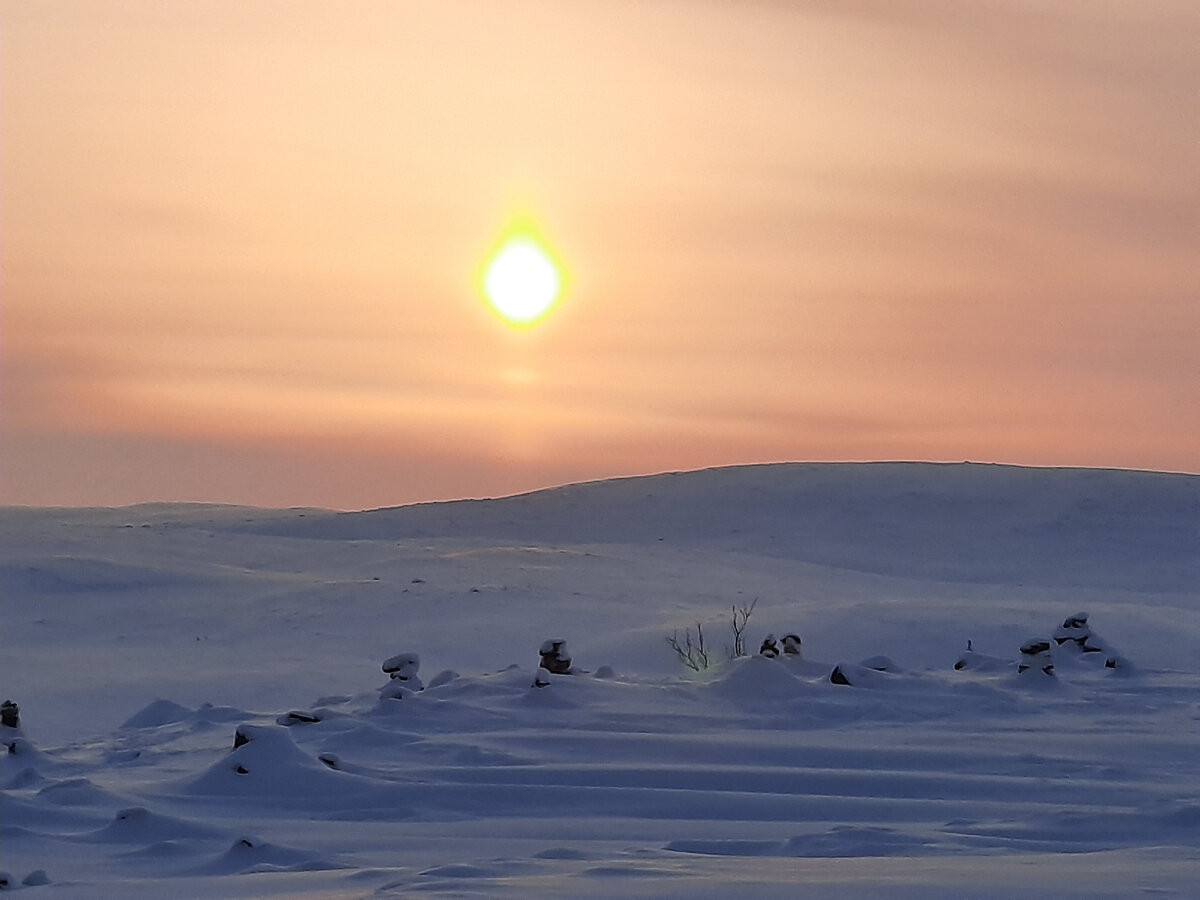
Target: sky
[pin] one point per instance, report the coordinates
(240, 241)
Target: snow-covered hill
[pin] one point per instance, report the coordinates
(952, 522)
(138, 642)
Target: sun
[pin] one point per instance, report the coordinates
(521, 280)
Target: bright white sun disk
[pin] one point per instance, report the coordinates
(521, 281)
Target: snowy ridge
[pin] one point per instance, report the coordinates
(219, 701)
(959, 521)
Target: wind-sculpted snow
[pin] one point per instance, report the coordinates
(487, 776)
(257, 726)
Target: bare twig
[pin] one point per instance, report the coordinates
(692, 654)
(740, 615)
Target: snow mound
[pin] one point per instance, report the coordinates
(160, 712)
(757, 679)
(250, 855)
(266, 762)
(75, 792)
(138, 825)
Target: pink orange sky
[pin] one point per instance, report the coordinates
(240, 241)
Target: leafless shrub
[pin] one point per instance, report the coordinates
(739, 616)
(692, 653)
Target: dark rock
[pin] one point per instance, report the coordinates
(1074, 628)
(837, 676)
(555, 657)
(791, 643)
(240, 738)
(769, 648)
(1047, 669)
(1035, 654)
(404, 667)
(295, 717)
(10, 715)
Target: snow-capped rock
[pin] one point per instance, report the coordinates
(791, 644)
(1036, 657)
(555, 658)
(403, 667)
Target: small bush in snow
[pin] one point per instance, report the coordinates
(739, 616)
(692, 653)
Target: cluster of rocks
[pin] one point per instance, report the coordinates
(1074, 637)
(553, 659)
(789, 645)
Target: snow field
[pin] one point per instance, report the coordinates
(139, 656)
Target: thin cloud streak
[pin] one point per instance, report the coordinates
(794, 231)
